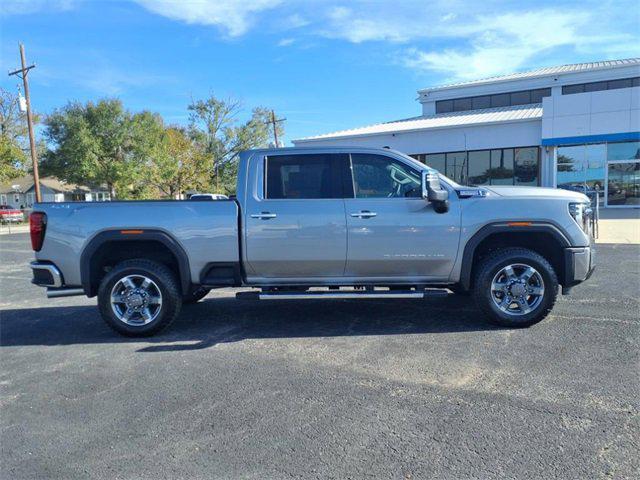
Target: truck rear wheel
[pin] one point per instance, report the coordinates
(138, 298)
(515, 287)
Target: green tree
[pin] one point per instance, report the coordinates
(214, 124)
(13, 135)
(93, 144)
(172, 161)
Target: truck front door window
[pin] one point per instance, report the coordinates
(377, 176)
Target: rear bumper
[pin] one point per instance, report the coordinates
(579, 265)
(46, 275)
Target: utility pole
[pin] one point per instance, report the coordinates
(274, 123)
(22, 73)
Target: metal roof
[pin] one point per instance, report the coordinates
(543, 72)
(440, 120)
(25, 183)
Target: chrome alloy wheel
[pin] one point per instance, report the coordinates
(136, 300)
(517, 289)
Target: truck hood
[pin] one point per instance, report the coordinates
(511, 191)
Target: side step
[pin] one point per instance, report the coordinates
(341, 295)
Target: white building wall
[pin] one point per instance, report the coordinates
(482, 137)
(592, 113)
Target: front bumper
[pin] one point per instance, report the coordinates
(579, 263)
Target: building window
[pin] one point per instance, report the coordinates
(478, 103)
(520, 98)
(598, 86)
(508, 99)
(462, 104)
(436, 161)
(595, 86)
(582, 168)
(539, 94)
(456, 167)
(444, 106)
(500, 100)
(502, 166)
(623, 83)
(102, 196)
(623, 151)
(527, 166)
(480, 167)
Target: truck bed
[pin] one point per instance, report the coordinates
(206, 231)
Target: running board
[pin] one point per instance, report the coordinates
(337, 295)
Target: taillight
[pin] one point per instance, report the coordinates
(37, 226)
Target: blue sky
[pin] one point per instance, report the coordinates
(325, 65)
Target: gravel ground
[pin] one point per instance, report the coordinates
(400, 389)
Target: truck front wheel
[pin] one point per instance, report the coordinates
(515, 287)
(138, 298)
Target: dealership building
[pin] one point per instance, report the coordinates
(572, 126)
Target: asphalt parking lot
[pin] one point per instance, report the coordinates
(340, 389)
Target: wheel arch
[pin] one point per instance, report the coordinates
(116, 245)
(544, 238)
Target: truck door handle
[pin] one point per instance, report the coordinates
(364, 214)
(263, 215)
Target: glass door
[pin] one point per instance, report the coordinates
(623, 184)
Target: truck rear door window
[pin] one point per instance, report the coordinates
(303, 176)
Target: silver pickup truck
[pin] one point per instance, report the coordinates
(320, 223)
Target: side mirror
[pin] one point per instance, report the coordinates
(434, 193)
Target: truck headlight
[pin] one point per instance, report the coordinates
(582, 213)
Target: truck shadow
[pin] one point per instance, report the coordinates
(224, 320)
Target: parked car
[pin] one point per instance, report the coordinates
(208, 196)
(9, 214)
(320, 223)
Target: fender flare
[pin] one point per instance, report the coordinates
(117, 235)
(503, 227)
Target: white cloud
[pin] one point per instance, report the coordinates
(295, 21)
(345, 23)
(234, 17)
(502, 44)
(472, 43)
(286, 42)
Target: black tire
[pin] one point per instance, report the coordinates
(494, 263)
(195, 295)
(165, 282)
